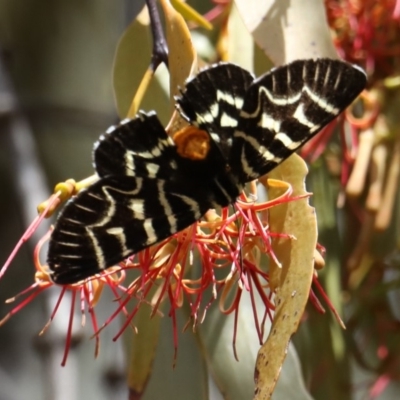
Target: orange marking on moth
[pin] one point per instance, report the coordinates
(192, 143)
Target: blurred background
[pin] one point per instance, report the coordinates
(56, 98)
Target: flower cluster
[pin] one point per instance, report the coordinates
(367, 33)
(227, 243)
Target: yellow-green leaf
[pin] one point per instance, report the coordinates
(131, 72)
(142, 347)
(293, 280)
(182, 56)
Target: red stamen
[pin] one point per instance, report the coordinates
(28, 233)
(69, 330)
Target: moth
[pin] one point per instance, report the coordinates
(151, 186)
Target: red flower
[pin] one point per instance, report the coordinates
(228, 244)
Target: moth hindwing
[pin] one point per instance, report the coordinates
(148, 189)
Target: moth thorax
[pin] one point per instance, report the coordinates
(192, 143)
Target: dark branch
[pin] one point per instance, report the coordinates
(160, 48)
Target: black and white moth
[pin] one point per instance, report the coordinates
(151, 186)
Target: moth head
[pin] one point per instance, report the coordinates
(192, 143)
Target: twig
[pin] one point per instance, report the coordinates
(160, 48)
